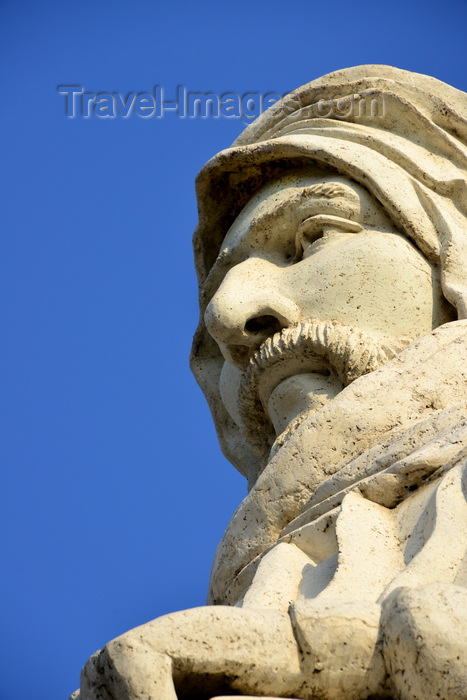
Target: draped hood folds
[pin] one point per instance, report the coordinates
(401, 135)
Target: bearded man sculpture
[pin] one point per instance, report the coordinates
(332, 347)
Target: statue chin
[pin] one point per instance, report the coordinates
(300, 394)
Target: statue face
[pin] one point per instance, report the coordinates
(310, 249)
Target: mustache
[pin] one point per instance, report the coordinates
(326, 347)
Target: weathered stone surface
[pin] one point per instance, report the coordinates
(277, 579)
(425, 641)
(332, 257)
(196, 647)
(338, 639)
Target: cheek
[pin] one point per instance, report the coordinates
(229, 385)
(378, 284)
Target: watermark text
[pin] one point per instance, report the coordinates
(195, 104)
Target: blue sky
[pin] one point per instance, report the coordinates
(115, 492)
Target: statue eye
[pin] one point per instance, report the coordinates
(313, 228)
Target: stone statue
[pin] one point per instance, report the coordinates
(332, 259)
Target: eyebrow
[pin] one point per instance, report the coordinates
(331, 189)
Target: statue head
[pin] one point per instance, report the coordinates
(328, 240)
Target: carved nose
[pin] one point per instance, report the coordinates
(248, 307)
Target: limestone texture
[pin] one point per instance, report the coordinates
(331, 253)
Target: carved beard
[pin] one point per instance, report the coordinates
(323, 347)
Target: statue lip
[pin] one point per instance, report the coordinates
(327, 349)
(282, 356)
(289, 367)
